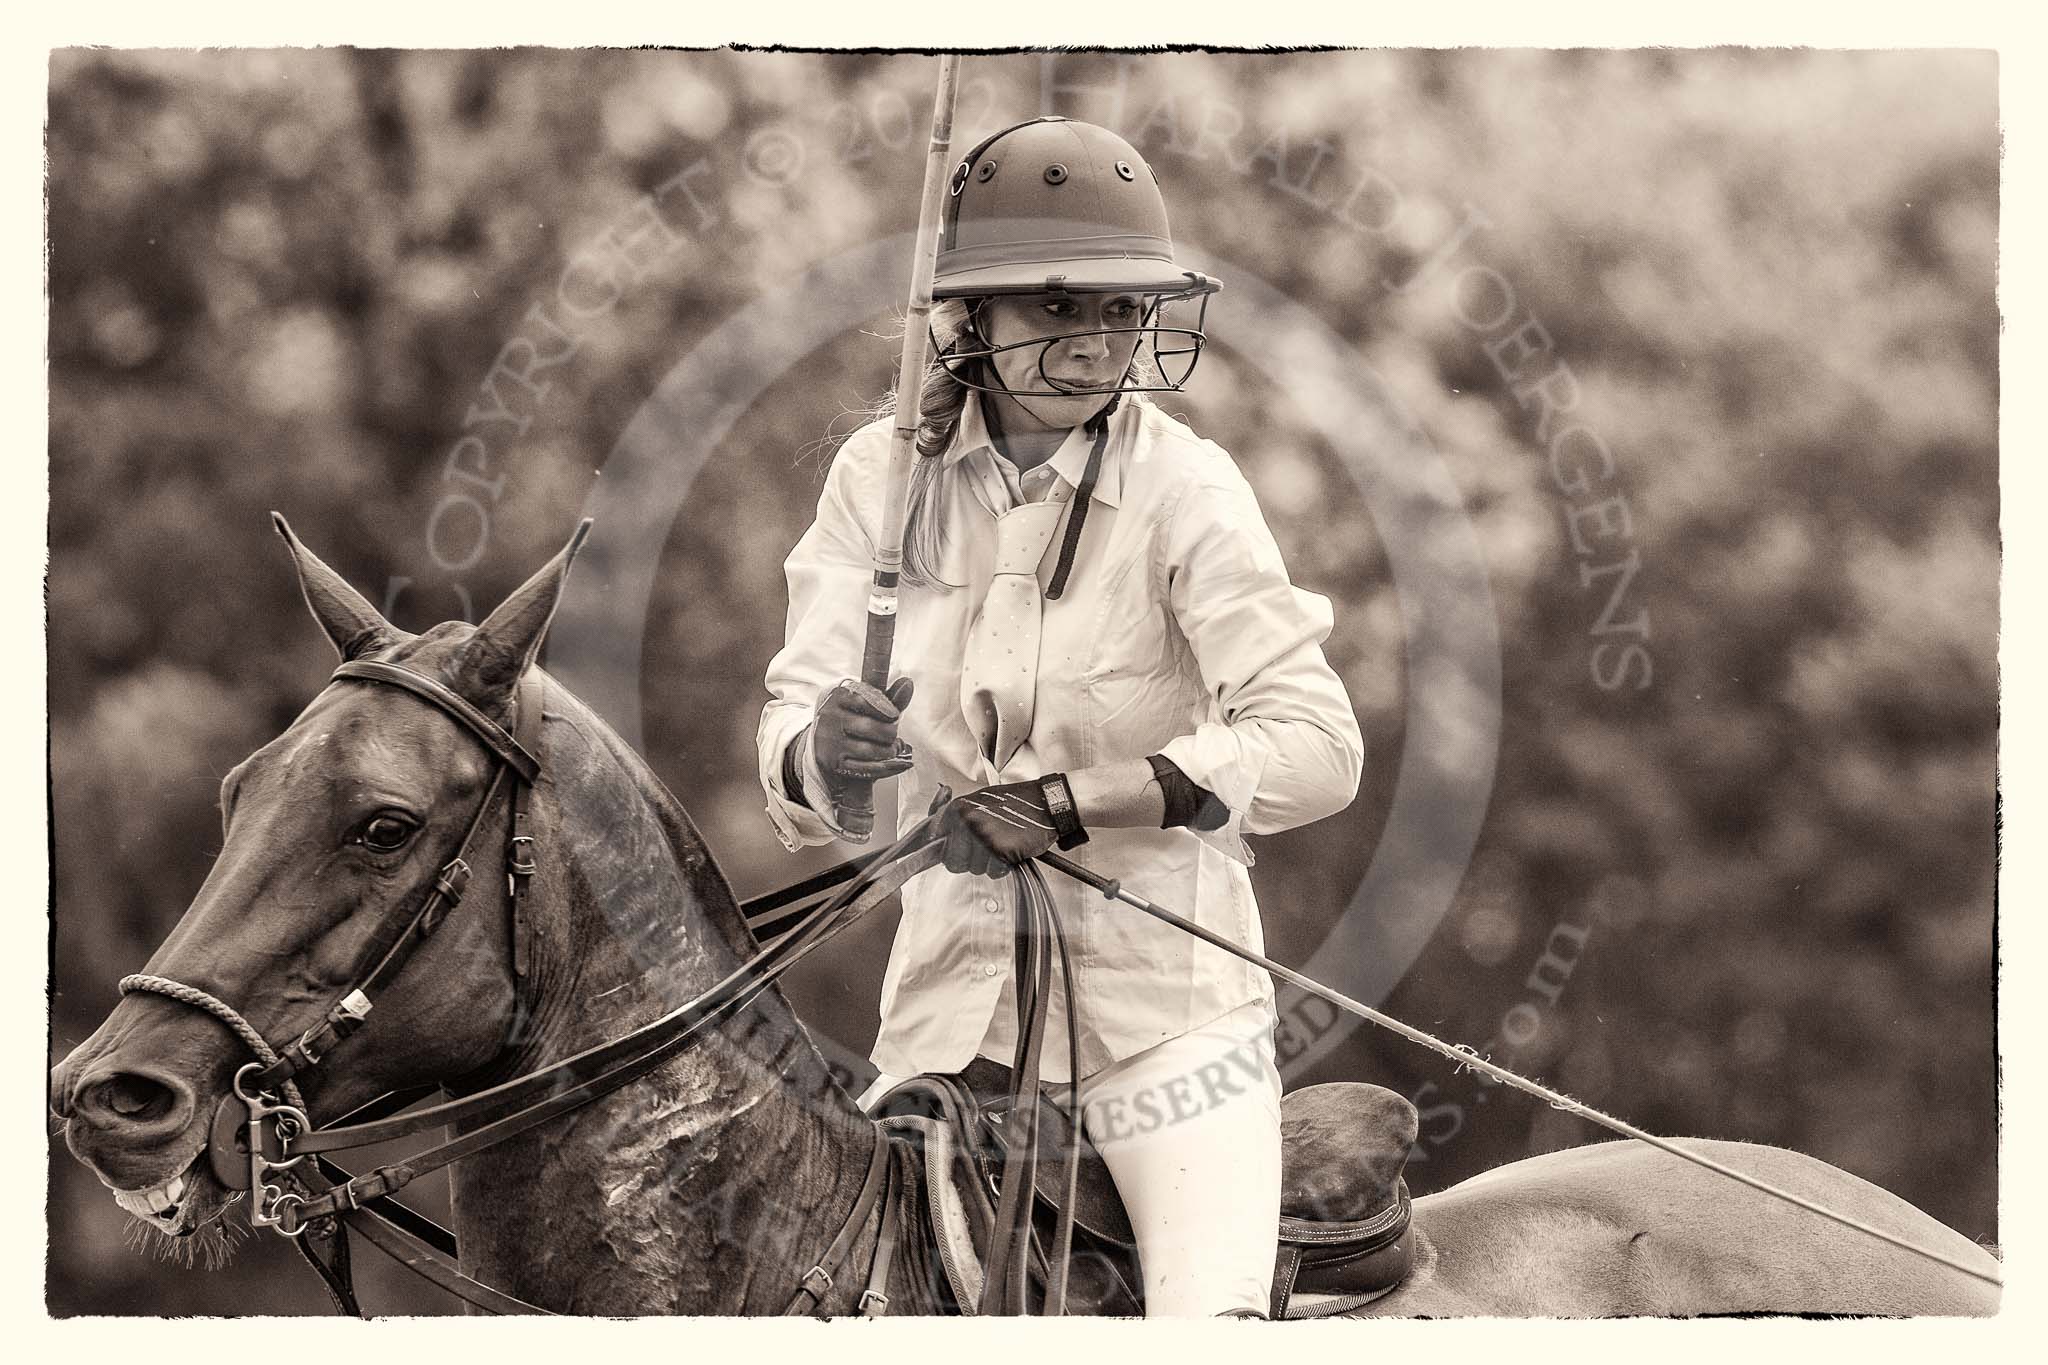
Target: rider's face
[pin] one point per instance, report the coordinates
(1078, 352)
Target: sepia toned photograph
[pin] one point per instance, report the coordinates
(1125, 683)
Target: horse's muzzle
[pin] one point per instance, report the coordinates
(125, 1121)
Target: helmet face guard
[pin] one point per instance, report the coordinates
(1053, 206)
(970, 358)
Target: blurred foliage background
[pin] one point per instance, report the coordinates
(282, 279)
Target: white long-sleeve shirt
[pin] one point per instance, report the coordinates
(1179, 633)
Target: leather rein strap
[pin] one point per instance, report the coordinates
(354, 1199)
(1006, 1284)
(544, 1094)
(569, 1084)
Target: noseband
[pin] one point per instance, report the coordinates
(258, 1084)
(279, 1134)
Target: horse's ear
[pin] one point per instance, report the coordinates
(349, 620)
(509, 640)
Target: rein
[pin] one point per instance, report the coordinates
(271, 1205)
(1465, 1056)
(279, 1136)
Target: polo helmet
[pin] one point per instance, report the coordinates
(1054, 205)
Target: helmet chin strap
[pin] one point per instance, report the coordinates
(997, 387)
(1089, 421)
(992, 418)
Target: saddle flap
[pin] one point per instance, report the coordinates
(1098, 1208)
(963, 1147)
(1344, 1209)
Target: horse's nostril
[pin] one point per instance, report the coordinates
(137, 1099)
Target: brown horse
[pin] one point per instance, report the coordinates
(711, 1184)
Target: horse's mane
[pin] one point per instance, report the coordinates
(693, 858)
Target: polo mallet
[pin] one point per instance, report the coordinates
(854, 808)
(1466, 1057)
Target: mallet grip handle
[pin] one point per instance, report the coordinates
(855, 805)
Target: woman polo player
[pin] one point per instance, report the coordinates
(1101, 647)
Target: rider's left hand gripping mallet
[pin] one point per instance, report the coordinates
(854, 807)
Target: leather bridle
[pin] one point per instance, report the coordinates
(278, 1135)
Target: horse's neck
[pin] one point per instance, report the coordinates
(708, 1186)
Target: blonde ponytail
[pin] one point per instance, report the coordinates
(938, 417)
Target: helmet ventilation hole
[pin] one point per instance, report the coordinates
(1055, 173)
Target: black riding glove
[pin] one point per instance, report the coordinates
(988, 830)
(854, 736)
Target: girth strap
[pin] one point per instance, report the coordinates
(874, 1300)
(817, 1281)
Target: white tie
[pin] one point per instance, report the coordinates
(999, 673)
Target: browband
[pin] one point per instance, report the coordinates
(494, 735)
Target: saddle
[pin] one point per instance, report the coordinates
(1344, 1208)
(1025, 1217)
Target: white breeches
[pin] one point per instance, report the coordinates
(1190, 1131)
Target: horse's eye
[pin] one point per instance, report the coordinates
(387, 833)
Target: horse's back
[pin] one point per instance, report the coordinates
(1621, 1228)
